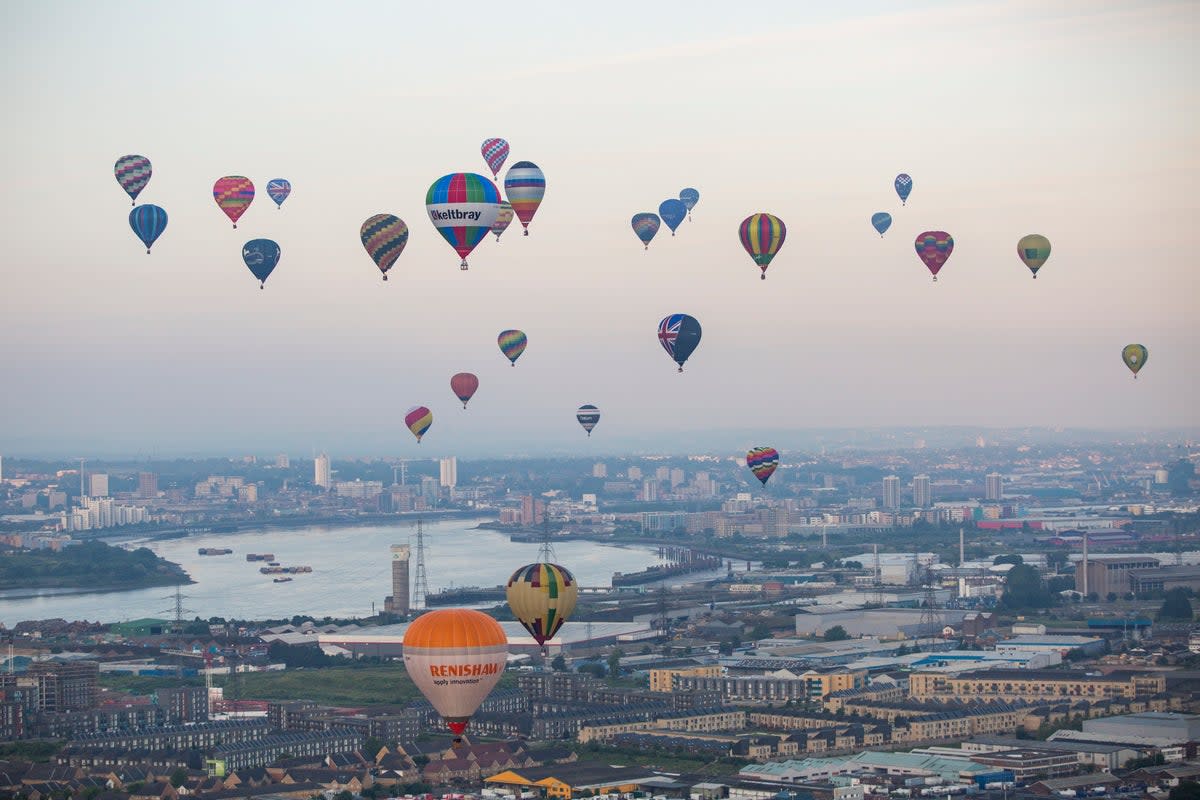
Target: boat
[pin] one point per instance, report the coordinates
(260, 556)
(215, 551)
(272, 563)
(281, 580)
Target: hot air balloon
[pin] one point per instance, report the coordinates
(673, 213)
(148, 222)
(645, 225)
(384, 237)
(512, 344)
(261, 256)
(542, 596)
(418, 419)
(463, 206)
(525, 186)
(1033, 249)
(464, 385)
(762, 235)
(689, 197)
(1134, 356)
(278, 190)
(133, 173)
(503, 218)
(679, 334)
(588, 416)
(903, 187)
(762, 461)
(881, 221)
(934, 248)
(455, 656)
(233, 194)
(494, 152)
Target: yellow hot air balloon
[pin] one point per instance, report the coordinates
(1033, 249)
(542, 596)
(1134, 356)
(455, 656)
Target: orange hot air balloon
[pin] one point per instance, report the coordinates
(455, 656)
(464, 385)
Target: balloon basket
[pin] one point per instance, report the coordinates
(935, 278)
(385, 277)
(527, 231)
(463, 265)
(763, 276)
(147, 251)
(680, 369)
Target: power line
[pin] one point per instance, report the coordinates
(420, 580)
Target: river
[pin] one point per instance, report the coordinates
(351, 570)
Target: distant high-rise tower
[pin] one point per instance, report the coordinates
(634, 473)
(282, 461)
(98, 484)
(993, 488)
(449, 474)
(922, 497)
(321, 471)
(891, 492)
(147, 485)
(398, 603)
(600, 470)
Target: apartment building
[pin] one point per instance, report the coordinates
(1032, 685)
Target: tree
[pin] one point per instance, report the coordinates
(836, 634)
(1012, 558)
(1023, 588)
(1176, 605)
(559, 664)
(594, 668)
(179, 777)
(1186, 790)
(614, 662)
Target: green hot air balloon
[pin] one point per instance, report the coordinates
(1134, 356)
(1033, 249)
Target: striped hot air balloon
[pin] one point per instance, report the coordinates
(542, 596)
(384, 237)
(418, 419)
(934, 249)
(512, 344)
(148, 222)
(762, 235)
(525, 186)
(234, 194)
(587, 416)
(762, 461)
(463, 207)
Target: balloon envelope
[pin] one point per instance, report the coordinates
(1033, 250)
(418, 419)
(645, 225)
(384, 237)
(934, 248)
(542, 596)
(689, 197)
(762, 236)
(762, 461)
(903, 186)
(278, 190)
(881, 221)
(525, 186)
(463, 206)
(494, 152)
(588, 416)
(233, 194)
(512, 344)
(673, 213)
(464, 385)
(261, 256)
(133, 173)
(1134, 356)
(679, 334)
(504, 217)
(148, 222)
(455, 656)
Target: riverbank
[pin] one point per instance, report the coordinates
(87, 567)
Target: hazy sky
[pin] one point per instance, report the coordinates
(1078, 120)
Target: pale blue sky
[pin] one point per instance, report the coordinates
(1077, 120)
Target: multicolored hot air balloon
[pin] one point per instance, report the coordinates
(525, 186)
(762, 461)
(762, 235)
(673, 213)
(384, 237)
(689, 197)
(934, 248)
(645, 225)
(455, 656)
(463, 206)
(542, 596)
(261, 256)
(904, 186)
(1033, 249)
(418, 419)
(512, 344)
(133, 173)
(234, 194)
(679, 334)
(464, 385)
(587, 416)
(1134, 356)
(503, 218)
(881, 221)
(148, 222)
(494, 152)
(278, 190)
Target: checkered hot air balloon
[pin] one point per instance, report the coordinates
(234, 194)
(384, 236)
(494, 152)
(133, 173)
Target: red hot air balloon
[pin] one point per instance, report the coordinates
(934, 248)
(464, 385)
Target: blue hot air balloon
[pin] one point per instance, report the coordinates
(673, 212)
(881, 221)
(278, 190)
(645, 225)
(261, 256)
(679, 334)
(903, 186)
(689, 197)
(148, 222)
